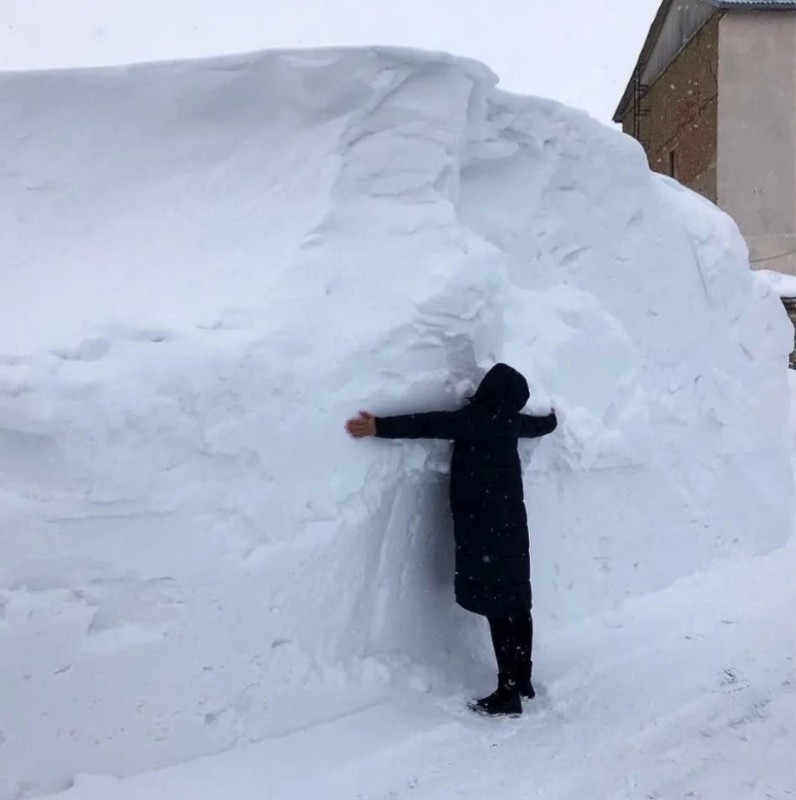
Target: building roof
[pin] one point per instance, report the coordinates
(660, 20)
(765, 5)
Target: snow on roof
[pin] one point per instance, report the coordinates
(779, 283)
(755, 4)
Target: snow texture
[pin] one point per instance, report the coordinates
(780, 283)
(207, 266)
(686, 693)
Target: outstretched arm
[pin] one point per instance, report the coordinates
(433, 425)
(534, 427)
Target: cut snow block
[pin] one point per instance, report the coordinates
(205, 267)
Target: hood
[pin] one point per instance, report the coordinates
(503, 387)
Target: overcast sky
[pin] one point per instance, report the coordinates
(578, 51)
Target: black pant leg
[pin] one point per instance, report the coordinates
(523, 636)
(504, 641)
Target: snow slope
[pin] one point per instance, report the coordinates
(205, 267)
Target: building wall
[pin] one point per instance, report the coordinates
(757, 132)
(683, 114)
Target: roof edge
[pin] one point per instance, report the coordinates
(754, 5)
(657, 26)
(646, 50)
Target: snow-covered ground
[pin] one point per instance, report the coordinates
(685, 693)
(204, 268)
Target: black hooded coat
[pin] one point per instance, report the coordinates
(486, 494)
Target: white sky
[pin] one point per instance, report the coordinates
(578, 51)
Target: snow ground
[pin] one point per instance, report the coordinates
(685, 693)
(204, 268)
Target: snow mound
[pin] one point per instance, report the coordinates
(207, 266)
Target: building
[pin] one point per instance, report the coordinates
(713, 101)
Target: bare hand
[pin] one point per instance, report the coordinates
(363, 426)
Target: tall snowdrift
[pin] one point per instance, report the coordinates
(205, 267)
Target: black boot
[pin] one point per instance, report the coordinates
(506, 701)
(525, 687)
(524, 638)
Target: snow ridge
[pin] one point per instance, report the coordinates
(206, 266)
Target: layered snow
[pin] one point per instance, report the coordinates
(206, 267)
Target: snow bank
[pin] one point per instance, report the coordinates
(207, 266)
(780, 283)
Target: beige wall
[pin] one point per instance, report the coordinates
(683, 114)
(757, 132)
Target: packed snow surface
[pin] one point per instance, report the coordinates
(206, 267)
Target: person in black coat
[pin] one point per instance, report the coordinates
(489, 520)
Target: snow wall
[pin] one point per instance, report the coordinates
(206, 267)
